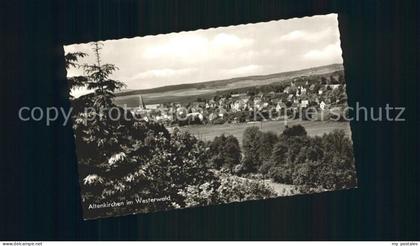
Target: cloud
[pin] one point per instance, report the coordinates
(77, 92)
(243, 70)
(294, 35)
(196, 47)
(300, 35)
(230, 41)
(178, 47)
(162, 73)
(329, 52)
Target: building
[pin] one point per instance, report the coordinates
(153, 106)
(322, 105)
(304, 103)
(142, 105)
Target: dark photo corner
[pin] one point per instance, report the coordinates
(39, 187)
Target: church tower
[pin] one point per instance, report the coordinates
(142, 105)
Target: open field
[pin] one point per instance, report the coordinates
(179, 96)
(314, 128)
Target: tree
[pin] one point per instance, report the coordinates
(285, 156)
(339, 146)
(72, 60)
(267, 141)
(294, 131)
(98, 79)
(233, 152)
(251, 145)
(277, 163)
(279, 154)
(341, 79)
(225, 152)
(325, 163)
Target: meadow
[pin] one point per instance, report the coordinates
(313, 128)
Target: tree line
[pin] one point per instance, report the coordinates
(311, 163)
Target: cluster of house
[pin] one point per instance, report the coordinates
(294, 97)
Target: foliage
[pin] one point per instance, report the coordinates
(71, 60)
(228, 189)
(98, 79)
(267, 141)
(218, 121)
(312, 162)
(152, 163)
(294, 131)
(225, 152)
(251, 145)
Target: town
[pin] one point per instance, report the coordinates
(286, 99)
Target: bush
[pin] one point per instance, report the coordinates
(239, 169)
(226, 189)
(281, 174)
(294, 131)
(219, 121)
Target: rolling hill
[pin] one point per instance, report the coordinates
(184, 92)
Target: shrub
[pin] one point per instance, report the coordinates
(281, 174)
(226, 189)
(294, 131)
(219, 121)
(235, 189)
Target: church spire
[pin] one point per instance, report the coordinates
(142, 105)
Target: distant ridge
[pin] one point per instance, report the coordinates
(224, 82)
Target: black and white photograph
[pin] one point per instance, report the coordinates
(210, 117)
(209, 120)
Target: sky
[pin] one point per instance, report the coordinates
(219, 53)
